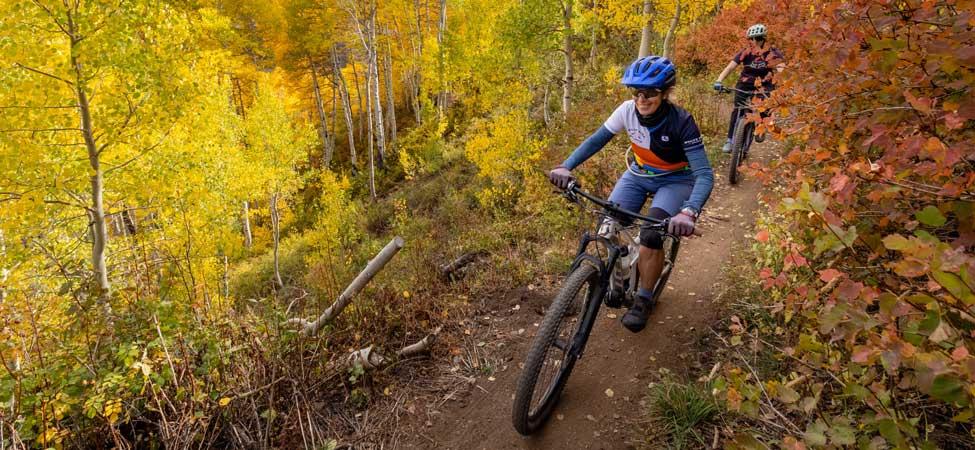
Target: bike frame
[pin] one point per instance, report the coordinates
(743, 111)
(614, 252)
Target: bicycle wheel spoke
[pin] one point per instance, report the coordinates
(557, 354)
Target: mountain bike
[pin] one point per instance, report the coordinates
(603, 271)
(742, 137)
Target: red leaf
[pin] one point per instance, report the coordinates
(959, 354)
(838, 182)
(921, 104)
(862, 354)
(829, 274)
(954, 121)
(795, 259)
(849, 290)
(762, 236)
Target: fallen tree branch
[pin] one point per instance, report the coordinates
(370, 359)
(372, 268)
(449, 271)
(420, 346)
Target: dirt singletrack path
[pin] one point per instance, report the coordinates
(609, 384)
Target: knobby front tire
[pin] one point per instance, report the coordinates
(737, 149)
(671, 246)
(549, 360)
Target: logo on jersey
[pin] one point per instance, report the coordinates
(758, 64)
(665, 138)
(638, 134)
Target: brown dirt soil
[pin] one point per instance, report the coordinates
(589, 416)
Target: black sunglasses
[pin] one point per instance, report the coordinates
(646, 93)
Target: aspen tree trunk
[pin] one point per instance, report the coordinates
(346, 109)
(390, 98)
(647, 28)
(322, 124)
(415, 80)
(372, 159)
(669, 39)
(246, 215)
(276, 235)
(567, 49)
(358, 94)
(376, 100)
(441, 59)
(592, 47)
(335, 112)
(96, 214)
(4, 272)
(239, 98)
(546, 116)
(414, 98)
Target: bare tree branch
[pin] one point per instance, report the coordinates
(41, 72)
(54, 18)
(37, 107)
(37, 130)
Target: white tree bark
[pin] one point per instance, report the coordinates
(370, 359)
(414, 77)
(567, 50)
(669, 40)
(359, 96)
(647, 29)
(390, 97)
(346, 108)
(377, 100)
(592, 46)
(96, 214)
(375, 265)
(366, 30)
(546, 115)
(246, 216)
(4, 271)
(372, 153)
(327, 147)
(276, 236)
(441, 59)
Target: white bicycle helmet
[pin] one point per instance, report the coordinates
(757, 30)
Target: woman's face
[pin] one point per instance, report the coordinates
(756, 43)
(648, 100)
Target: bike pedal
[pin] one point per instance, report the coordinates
(615, 300)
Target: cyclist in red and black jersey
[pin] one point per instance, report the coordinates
(759, 62)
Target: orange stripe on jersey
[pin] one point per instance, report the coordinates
(648, 158)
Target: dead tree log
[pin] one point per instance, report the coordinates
(451, 272)
(369, 358)
(372, 268)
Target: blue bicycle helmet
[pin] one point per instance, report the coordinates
(650, 72)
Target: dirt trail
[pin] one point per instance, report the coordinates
(587, 417)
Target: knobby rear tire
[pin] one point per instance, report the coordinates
(525, 418)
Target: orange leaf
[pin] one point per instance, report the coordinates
(829, 274)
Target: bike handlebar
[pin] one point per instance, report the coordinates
(574, 190)
(728, 90)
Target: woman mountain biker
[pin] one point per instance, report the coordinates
(759, 59)
(669, 162)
